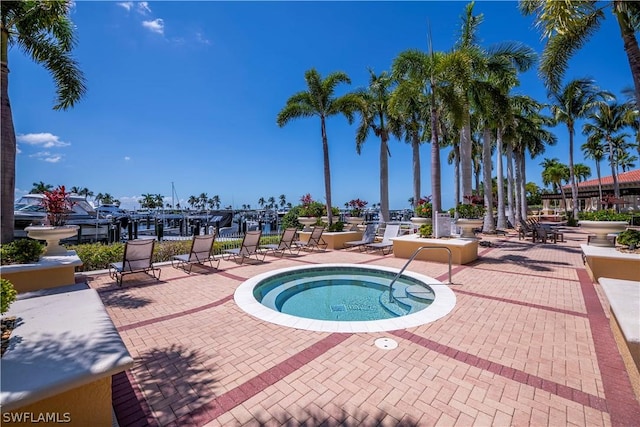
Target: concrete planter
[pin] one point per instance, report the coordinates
(467, 225)
(601, 229)
(52, 235)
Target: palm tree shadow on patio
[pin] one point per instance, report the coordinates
(175, 370)
(313, 418)
(113, 299)
(523, 261)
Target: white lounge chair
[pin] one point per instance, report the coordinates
(391, 230)
(368, 236)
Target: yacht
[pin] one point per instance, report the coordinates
(28, 210)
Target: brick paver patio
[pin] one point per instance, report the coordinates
(528, 343)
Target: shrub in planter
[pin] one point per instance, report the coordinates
(470, 211)
(336, 226)
(22, 251)
(7, 296)
(629, 238)
(603, 215)
(425, 230)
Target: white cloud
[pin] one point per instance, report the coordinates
(47, 157)
(127, 158)
(143, 7)
(200, 38)
(156, 26)
(126, 4)
(45, 139)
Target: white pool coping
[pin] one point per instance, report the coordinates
(444, 302)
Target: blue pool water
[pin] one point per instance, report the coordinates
(343, 294)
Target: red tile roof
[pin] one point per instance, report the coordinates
(631, 177)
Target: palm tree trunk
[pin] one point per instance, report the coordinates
(415, 149)
(518, 179)
(502, 219)
(436, 184)
(489, 225)
(572, 176)
(614, 175)
(465, 158)
(327, 170)
(599, 185)
(384, 178)
(510, 187)
(8, 149)
(632, 50)
(456, 174)
(523, 186)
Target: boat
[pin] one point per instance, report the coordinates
(29, 210)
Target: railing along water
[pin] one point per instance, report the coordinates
(411, 258)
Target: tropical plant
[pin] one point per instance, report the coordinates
(373, 106)
(337, 226)
(554, 173)
(629, 238)
(319, 100)
(310, 208)
(42, 30)
(603, 215)
(425, 230)
(424, 208)
(356, 206)
(593, 149)
(568, 25)
(40, 187)
(21, 251)
(569, 103)
(8, 295)
(57, 205)
(470, 211)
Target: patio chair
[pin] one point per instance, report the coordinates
(391, 230)
(137, 259)
(250, 247)
(368, 237)
(199, 253)
(286, 243)
(315, 240)
(525, 231)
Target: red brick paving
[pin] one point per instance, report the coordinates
(528, 343)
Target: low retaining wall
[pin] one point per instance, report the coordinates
(462, 251)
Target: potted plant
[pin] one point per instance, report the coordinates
(7, 296)
(309, 212)
(423, 211)
(355, 207)
(601, 223)
(470, 217)
(57, 205)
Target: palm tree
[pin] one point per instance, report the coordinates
(319, 100)
(605, 121)
(215, 202)
(553, 174)
(374, 116)
(272, 202)
(575, 101)
(581, 171)
(593, 149)
(40, 187)
(262, 202)
(203, 198)
(283, 200)
(568, 26)
(43, 31)
(192, 201)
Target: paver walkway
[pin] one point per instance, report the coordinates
(528, 343)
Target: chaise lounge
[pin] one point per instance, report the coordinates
(137, 259)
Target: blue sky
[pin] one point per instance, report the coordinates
(188, 92)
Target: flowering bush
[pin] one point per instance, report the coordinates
(310, 207)
(424, 208)
(58, 205)
(356, 206)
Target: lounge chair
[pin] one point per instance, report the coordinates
(199, 253)
(137, 259)
(315, 240)
(368, 237)
(391, 230)
(286, 243)
(525, 231)
(250, 248)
